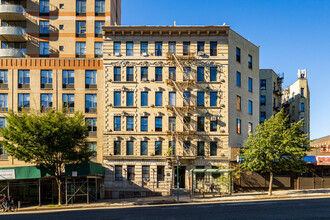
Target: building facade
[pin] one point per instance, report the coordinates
(296, 102)
(270, 93)
(174, 95)
(51, 58)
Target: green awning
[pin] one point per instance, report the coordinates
(18, 173)
(84, 169)
(212, 170)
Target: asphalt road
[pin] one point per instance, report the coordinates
(276, 209)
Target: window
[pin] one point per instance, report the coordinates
(61, 6)
(129, 74)
(116, 48)
(80, 28)
(144, 48)
(213, 74)
(158, 48)
(61, 27)
(186, 48)
(92, 146)
(186, 121)
(200, 47)
(117, 148)
(238, 126)
(250, 107)
(144, 98)
(68, 78)
(187, 73)
(23, 102)
(2, 150)
(302, 107)
(250, 61)
(91, 103)
(81, 7)
(117, 74)
(186, 145)
(130, 173)
(23, 78)
(262, 84)
(4, 77)
(250, 84)
(99, 7)
(118, 173)
(200, 124)
(129, 48)
(159, 99)
(238, 79)
(213, 98)
(46, 101)
(186, 96)
(68, 102)
(238, 103)
(172, 123)
(61, 48)
(44, 48)
(213, 48)
(91, 124)
(200, 98)
(172, 73)
(213, 148)
(158, 124)
(46, 78)
(117, 98)
(98, 49)
(129, 123)
(160, 173)
(129, 148)
(117, 123)
(129, 98)
(144, 73)
(145, 173)
(171, 47)
(44, 7)
(144, 123)
(171, 147)
(144, 147)
(98, 28)
(91, 78)
(213, 125)
(238, 54)
(158, 148)
(262, 116)
(159, 74)
(80, 49)
(200, 148)
(200, 74)
(3, 122)
(172, 98)
(262, 100)
(4, 100)
(44, 28)
(250, 128)
(302, 92)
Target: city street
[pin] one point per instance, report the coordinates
(275, 209)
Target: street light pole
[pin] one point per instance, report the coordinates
(177, 178)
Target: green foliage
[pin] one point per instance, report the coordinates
(50, 140)
(276, 146)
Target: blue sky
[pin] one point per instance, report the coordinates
(291, 34)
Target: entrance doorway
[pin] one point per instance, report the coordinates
(182, 177)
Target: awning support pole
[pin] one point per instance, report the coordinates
(39, 191)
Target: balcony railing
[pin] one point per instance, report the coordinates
(12, 12)
(12, 34)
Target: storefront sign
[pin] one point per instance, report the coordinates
(325, 150)
(7, 174)
(323, 160)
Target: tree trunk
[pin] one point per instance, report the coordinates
(59, 183)
(270, 184)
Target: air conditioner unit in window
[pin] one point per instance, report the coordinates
(200, 53)
(144, 54)
(144, 79)
(117, 54)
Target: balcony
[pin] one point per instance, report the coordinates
(11, 52)
(12, 34)
(12, 12)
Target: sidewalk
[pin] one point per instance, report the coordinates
(158, 200)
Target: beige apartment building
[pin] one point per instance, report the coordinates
(174, 95)
(51, 57)
(296, 102)
(270, 93)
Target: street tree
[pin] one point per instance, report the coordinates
(276, 145)
(49, 140)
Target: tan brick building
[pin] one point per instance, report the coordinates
(51, 56)
(187, 91)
